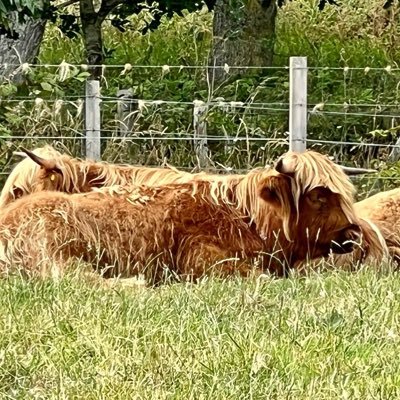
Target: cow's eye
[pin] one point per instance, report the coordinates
(317, 200)
(314, 197)
(17, 193)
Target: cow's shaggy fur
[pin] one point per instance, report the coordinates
(72, 175)
(281, 215)
(383, 209)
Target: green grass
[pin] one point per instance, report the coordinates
(323, 336)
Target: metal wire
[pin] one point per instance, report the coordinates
(164, 67)
(316, 113)
(349, 105)
(190, 138)
(167, 67)
(110, 99)
(335, 142)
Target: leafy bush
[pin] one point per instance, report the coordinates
(352, 105)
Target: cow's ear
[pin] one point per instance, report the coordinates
(276, 191)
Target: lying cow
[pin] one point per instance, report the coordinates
(379, 219)
(383, 209)
(302, 208)
(47, 169)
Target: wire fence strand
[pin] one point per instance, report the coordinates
(165, 67)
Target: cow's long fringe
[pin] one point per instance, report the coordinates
(311, 170)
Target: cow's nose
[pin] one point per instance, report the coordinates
(348, 238)
(353, 233)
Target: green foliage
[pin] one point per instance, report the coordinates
(354, 102)
(118, 12)
(22, 9)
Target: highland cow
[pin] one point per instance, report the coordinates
(383, 209)
(47, 169)
(302, 208)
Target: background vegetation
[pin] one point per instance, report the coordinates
(323, 335)
(359, 105)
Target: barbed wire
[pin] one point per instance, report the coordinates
(354, 114)
(188, 137)
(164, 67)
(111, 99)
(226, 67)
(344, 143)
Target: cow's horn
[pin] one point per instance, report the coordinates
(20, 154)
(357, 171)
(47, 164)
(286, 165)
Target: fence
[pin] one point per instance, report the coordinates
(278, 122)
(297, 111)
(297, 114)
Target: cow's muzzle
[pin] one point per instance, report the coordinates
(347, 240)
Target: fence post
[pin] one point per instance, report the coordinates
(298, 104)
(92, 119)
(200, 132)
(124, 111)
(395, 153)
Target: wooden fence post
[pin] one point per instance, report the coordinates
(92, 119)
(200, 132)
(298, 104)
(394, 155)
(125, 107)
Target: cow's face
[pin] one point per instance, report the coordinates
(49, 179)
(323, 225)
(317, 226)
(28, 177)
(312, 198)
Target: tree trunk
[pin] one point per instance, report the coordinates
(24, 49)
(92, 37)
(244, 34)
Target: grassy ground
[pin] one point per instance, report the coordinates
(323, 336)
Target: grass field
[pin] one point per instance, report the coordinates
(323, 336)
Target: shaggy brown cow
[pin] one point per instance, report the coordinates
(383, 209)
(302, 208)
(47, 169)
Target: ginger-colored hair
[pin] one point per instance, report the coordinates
(187, 224)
